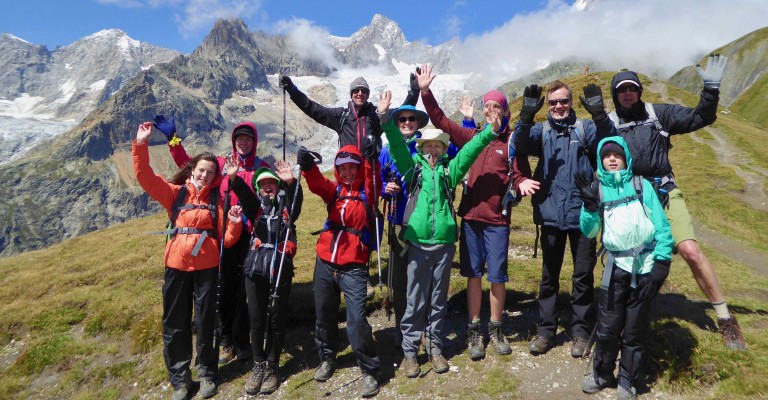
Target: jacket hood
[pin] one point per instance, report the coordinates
(247, 158)
(359, 179)
(614, 178)
(618, 79)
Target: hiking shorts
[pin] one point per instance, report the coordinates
(678, 217)
(484, 245)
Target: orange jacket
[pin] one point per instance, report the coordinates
(178, 251)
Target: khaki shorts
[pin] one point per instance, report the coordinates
(678, 217)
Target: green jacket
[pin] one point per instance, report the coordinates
(629, 225)
(432, 222)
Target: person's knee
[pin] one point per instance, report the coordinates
(691, 253)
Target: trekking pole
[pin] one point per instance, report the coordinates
(390, 234)
(588, 349)
(221, 261)
(283, 124)
(275, 296)
(376, 212)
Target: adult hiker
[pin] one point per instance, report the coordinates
(272, 212)
(637, 238)
(191, 259)
(485, 220)
(431, 232)
(647, 128)
(343, 249)
(357, 124)
(234, 326)
(565, 146)
(409, 121)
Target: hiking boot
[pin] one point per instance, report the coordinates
(731, 331)
(253, 384)
(180, 393)
(369, 292)
(439, 363)
(369, 387)
(411, 367)
(208, 388)
(626, 394)
(498, 341)
(226, 354)
(540, 344)
(271, 379)
(325, 370)
(475, 342)
(592, 384)
(579, 347)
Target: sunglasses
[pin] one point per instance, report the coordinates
(631, 88)
(411, 118)
(356, 90)
(553, 103)
(345, 154)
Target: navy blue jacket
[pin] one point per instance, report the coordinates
(562, 153)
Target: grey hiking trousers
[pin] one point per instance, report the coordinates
(429, 272)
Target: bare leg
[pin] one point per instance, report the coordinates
(474, 298)
(498, 294)
(702, 270)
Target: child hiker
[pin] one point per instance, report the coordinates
(431, 233)
(191, 261)
(638, 241)
(343, 249)
(272, 212)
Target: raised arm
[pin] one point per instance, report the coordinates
(155, 186)
(326, 116)
(459, 135)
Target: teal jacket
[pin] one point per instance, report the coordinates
(432, 222)
(632, 224)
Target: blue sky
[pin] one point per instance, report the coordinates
(499, 40)
(182, 24)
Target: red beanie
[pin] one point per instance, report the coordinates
(497, 96)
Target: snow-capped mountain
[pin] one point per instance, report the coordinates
(56, 89)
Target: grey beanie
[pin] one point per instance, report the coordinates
(359, 82)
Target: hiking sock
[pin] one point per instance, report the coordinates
(721, 309)
(495, 323)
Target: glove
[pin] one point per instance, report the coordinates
(369, 148)
(588, 190)
(714, 72)
(163, 125)
(305, 159)
(659, 274)
(415, 89)
(532, 102)
(285, 82)
(594, 102)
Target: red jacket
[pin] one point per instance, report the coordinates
(488, 177)
(338, 246)
(178, 251)
(247, 163)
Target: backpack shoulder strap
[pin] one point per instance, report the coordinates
(180, 198)
(581, 133)
(545, 131)
(343, 119)
(655, 120)
(213, 204)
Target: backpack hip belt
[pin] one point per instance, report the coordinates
(204, 233)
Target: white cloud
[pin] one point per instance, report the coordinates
(308, 40)
(653, 36)
(201, 14)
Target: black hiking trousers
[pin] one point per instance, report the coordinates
(234, 328)
(259, 302)
(623, 323)
(583, 251)
(182, 292)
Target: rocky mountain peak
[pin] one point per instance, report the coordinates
(225, 34)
